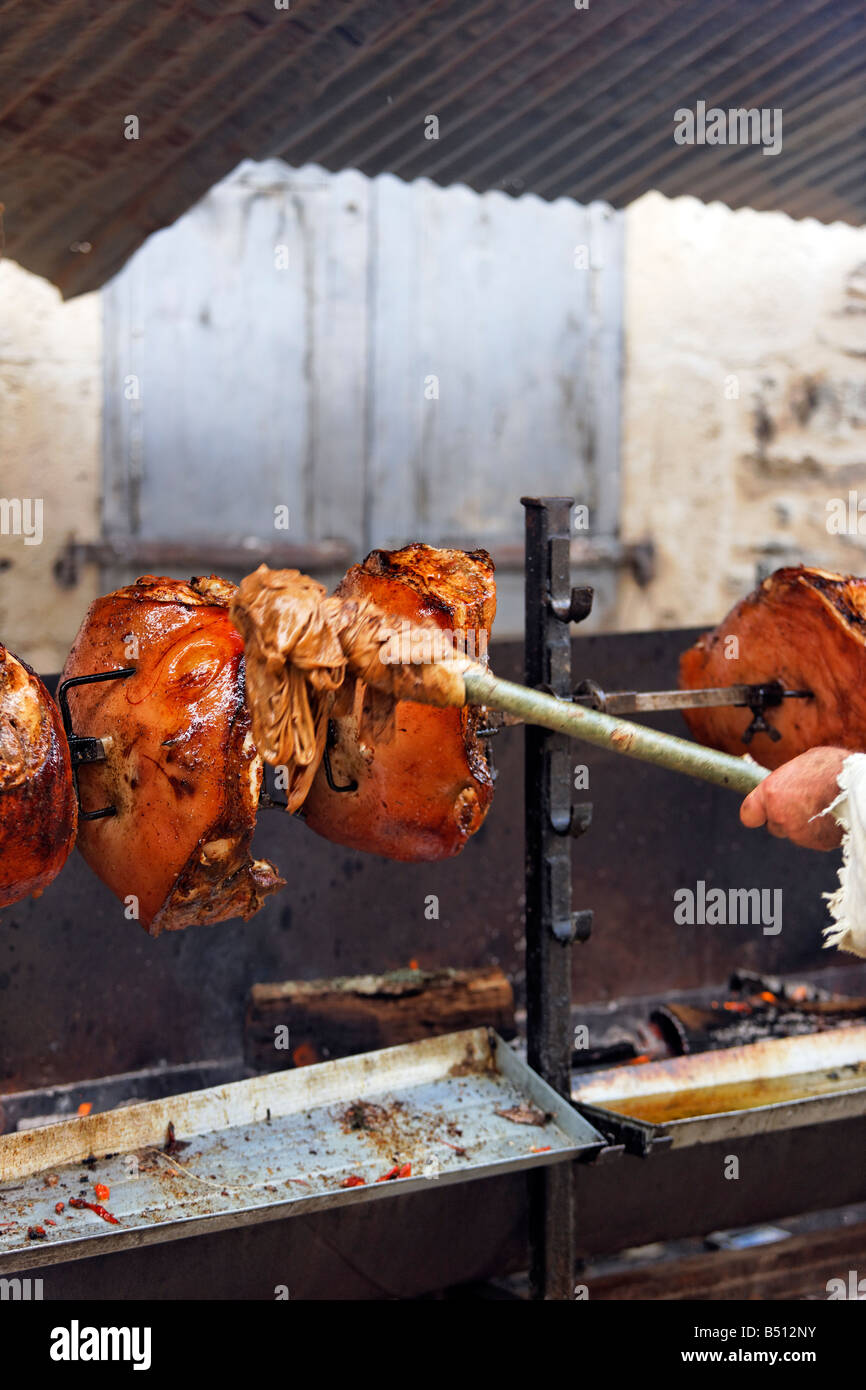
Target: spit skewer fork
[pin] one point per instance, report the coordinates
(634, 701)
(608, 731)
(84, 749)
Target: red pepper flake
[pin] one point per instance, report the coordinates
(58, 1207)
(413, 965)
(542, 1149)
(101, 1192)
(85, 1107)
(305, 1055)
(639, 1060)
(36, 1233)
(94, 1207)
(49, 1222)
(353, 1181)
(398, 1171)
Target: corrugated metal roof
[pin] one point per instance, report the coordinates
(530, 95)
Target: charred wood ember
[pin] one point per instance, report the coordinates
(758, 1008)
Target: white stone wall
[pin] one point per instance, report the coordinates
(744, 400)
(50, 418)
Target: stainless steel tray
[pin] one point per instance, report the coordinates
(281, 1144)
(780, 1083)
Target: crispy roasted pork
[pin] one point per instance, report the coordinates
(37, 801)
(424, 788)
(805, 628)
(182, 770)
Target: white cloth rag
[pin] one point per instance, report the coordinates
(848, 903)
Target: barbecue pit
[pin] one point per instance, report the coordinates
(692, 1097)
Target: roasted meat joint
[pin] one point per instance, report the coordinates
(423, 790)
(37, 800)
(354, 695)
(181, 770)
(804, 629)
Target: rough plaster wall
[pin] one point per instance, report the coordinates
(744, 405)
(50, 414)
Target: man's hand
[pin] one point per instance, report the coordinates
(787, 799)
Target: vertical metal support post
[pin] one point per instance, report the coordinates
(550, 925)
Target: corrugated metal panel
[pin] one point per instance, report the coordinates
(386, 360)
(531, 95)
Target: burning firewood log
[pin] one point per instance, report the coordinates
(337, 1018)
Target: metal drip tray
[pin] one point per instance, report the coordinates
(780, 1083)
(448, 1109)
